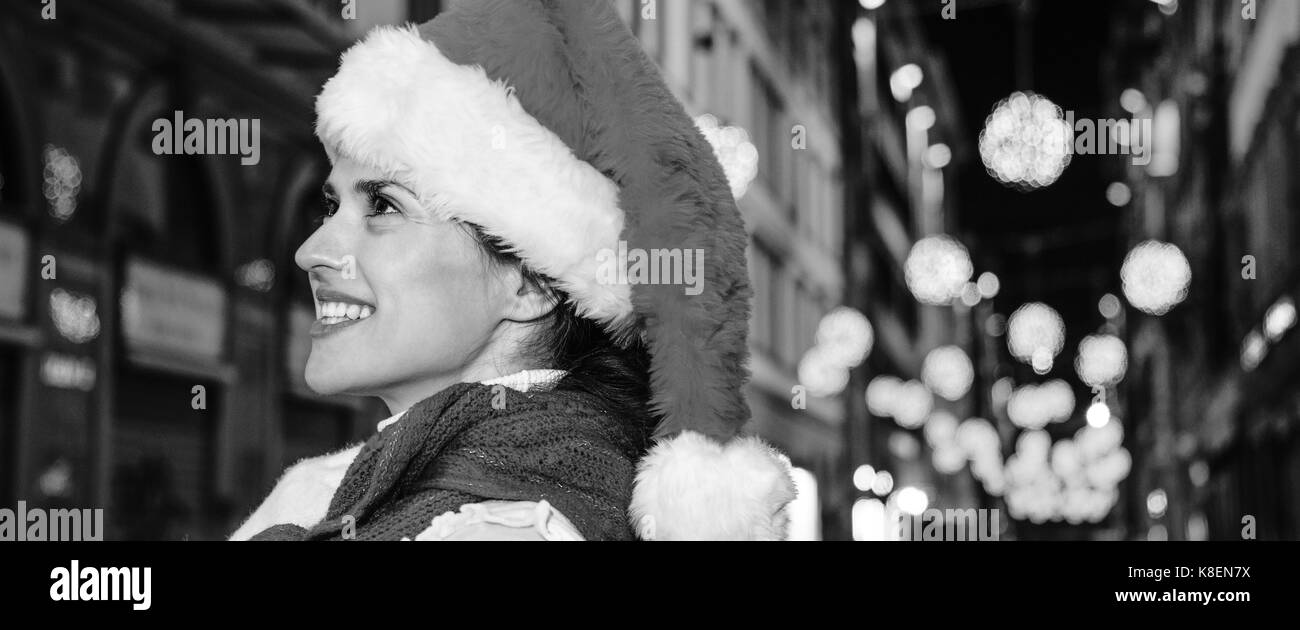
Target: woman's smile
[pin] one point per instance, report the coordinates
(336, 311)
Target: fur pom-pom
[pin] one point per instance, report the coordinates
(693, 488)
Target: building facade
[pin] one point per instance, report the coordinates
(1215, 402)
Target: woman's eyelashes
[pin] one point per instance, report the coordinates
(329, 207)
(376, 205)
(382, 206)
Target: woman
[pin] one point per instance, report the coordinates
(486, 168)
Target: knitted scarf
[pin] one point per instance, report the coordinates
(471, 443)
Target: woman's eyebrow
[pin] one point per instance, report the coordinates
(372, 187)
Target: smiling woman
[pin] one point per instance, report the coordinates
(436, 314)
(482, 165)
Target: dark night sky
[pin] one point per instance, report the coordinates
(1062, 244)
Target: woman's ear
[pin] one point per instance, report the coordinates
(533, 300)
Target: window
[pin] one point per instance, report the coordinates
(702, 51)
(804, 206)
(761, 278)
(720, 96)
(791, 326)
(769, 133)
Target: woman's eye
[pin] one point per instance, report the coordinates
(381, 206)
(329, 207)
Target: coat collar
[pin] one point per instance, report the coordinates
(523, 381)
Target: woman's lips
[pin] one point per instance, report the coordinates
(320, 328)
(337, 315)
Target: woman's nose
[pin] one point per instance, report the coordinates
(324, 249)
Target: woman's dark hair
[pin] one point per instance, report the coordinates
(597, 365)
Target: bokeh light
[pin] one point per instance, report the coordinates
(912, 405)
(948, 459)
(731, 145)
(863, 477)
(1041, 361)
(1155, 276)
(883, 484)
(979, 439)
(821, 372)
(938, 155)
(882, 394)
(1035, 328)
(1109, 306)
(1118, 194)
(1001, 390)
(948, 372)
(904, 80)
(995, 325)
(912, 500)
(62, 175)
(970, 294)
(941, 429)
(1025, 143)
(75, 315)
(1071, 480)
(988, 285)
(1036, 406)
(1097, 441)
(846, 336)
(1065, 459)
(1098, 414)
(904, 446)
(1133, 101)
(920, 118)
(1034, 446)
(1280, 318)
(1157, 502)
(937, 269)
(1102, 360)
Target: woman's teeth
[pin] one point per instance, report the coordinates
(338, 312)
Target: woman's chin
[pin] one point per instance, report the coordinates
(328, 382)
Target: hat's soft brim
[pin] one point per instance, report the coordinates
(463, 143)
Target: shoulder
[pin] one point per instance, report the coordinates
(302, 495)
(502, 520)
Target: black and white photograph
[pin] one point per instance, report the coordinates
(945, 271)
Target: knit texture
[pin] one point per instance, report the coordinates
(472, 443)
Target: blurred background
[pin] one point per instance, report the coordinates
(1033, 256)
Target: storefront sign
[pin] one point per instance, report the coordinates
(13, 272)
(65, 371)
(172, 311)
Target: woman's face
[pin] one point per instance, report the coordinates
(406, 303)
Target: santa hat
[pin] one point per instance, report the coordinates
(544, 123)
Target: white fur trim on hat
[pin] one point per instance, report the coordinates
(465, 145)
(693, 488)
